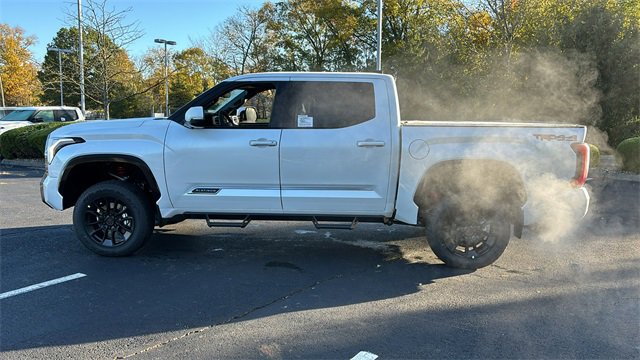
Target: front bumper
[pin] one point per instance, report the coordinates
(49, 192)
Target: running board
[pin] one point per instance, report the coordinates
(334, 225)
(319, 221)
(211, 222)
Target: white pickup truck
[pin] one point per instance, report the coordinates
(326, 147)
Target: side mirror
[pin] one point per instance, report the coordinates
(194, 117)
(37, 120)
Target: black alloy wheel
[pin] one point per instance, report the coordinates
(113, 218)
(467, 238)
(108, 222)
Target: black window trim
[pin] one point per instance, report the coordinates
(279, 118)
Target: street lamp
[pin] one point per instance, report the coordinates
(166, 77)
(379, 36)
(59, 51)
(2, 91)
(81, 57)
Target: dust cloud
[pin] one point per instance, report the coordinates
(535, 86)
(540, 86)
(484, 186)
(555, 214)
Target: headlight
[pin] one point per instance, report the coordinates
(55, 144)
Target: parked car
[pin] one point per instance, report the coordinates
(329, 148)
(5, 110)
(25, 116)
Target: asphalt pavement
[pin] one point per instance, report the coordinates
(286, 290)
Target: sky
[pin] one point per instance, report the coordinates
(177, 20)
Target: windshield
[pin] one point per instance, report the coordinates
(18, 115)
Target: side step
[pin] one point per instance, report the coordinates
(335, 225)
(240, 221)
(213, 222)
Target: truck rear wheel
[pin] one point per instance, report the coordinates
(113, 218)
(467, 238)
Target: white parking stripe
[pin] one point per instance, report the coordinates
(364, 355)
(41, 285)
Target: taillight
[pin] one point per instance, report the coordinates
(582, 163)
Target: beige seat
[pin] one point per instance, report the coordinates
(250, 115)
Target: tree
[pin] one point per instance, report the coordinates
(152, 69)
(110, 76)
(194, 73)
(609, 33)
(426, 45)
(321, 35)
(18, 71)
(118, 76)
(415, 33)
(66, 38)
(508, 19)
(242, 41)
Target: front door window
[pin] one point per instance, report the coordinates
(248, 106)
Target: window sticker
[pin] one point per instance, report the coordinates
(305, 121)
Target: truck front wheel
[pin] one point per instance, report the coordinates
(467, 238)
(113, 218)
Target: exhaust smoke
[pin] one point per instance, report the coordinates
(535, 86)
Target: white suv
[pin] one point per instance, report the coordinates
(25, 116)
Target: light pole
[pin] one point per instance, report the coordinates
(379, 50)
(81, 58)
(2, 90)
(166, 76)
(60, 51)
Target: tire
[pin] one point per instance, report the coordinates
(467, 238)
(113, 218)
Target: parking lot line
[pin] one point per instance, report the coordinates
(365, 355)
(41, 285)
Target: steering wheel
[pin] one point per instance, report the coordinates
(230, 120)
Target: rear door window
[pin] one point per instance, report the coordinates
(329, 105)
(65, 115)
(45, 115)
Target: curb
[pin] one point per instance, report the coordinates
(609, 174)
(30, 163)
(609, 169)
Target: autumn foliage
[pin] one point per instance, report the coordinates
(17, 68)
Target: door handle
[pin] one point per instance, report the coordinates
(370, 143)
(263, 142)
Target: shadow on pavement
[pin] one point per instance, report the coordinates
(578, 325)
(181, 281)
(614, 208)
